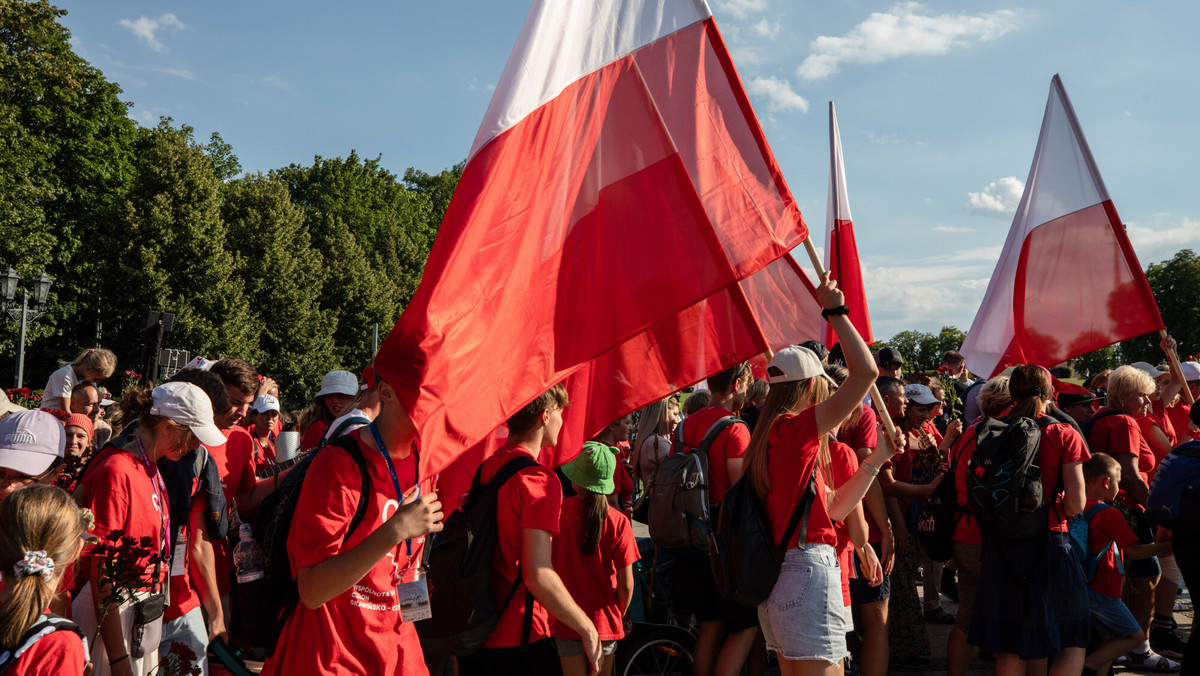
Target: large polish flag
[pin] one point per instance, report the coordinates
(841, 249)
(621, 225)
(1068, 281)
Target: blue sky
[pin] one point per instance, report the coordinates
(939, 105)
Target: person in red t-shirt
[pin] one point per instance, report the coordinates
(337, 393)
(1179, 410)
(127, 495)
(1032, 599)
(40, 538)
(527, 518)
(263, 431)
(594, 553)
(803, 621)
(349, 619)
(1110, 539)
(727, 630)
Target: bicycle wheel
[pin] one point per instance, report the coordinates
(655, 650)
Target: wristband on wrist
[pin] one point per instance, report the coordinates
(871, 469)
(122, 657)
(834, 311)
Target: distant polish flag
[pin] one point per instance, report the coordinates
(1068, 281)
(841, 250)
(620, 226)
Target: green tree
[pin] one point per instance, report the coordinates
(66, 161)
(1176, 287)
(284, 277)
(170, 254)
(909, 343)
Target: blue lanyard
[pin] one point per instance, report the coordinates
(392, 470)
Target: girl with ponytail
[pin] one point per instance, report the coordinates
(593, 553)
(40, 538)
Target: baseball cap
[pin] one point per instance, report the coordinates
(1148, 368)
(888, 356)
(368, 376)
(795, 363)
(6, 405)
(106, 398)
(919, 394)
(1191, 371)
(593, 468)
(265, 403)
(30, 441)
(339, 382)
(82, 422)
(188, 405)
(1070, 394)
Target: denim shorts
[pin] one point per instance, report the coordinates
(1110, 616)
(804, 619)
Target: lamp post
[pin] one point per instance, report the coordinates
(22, 313)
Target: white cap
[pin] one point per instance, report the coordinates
(1149, 369)
(30, 441)
(795, 363)
(200, 363)
(1191, 371)
(7, 406)
(919, 394)
(265, 403)
(188, 405)
(339, 382)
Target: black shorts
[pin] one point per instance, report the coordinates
(861, 590)
(1144, 530)
(694, 592)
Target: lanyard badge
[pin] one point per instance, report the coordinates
(412, 590)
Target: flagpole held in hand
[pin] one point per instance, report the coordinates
(1176, 369)
(888, 425)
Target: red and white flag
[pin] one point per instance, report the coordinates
(620, 225)
(841, 249)
(1068, 281)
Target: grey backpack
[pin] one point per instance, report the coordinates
(679, 502)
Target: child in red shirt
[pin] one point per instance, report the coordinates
(594, 554)
(40, 531)
(1108, 537)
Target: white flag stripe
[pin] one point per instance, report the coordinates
(564, 40)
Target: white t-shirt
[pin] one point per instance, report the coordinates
(59, 386)
(653, 450)
(354, 413)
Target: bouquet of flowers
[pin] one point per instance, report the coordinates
(948, 380)
(23, 396)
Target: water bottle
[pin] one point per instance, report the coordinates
(248, 557)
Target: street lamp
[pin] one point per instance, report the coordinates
(22, 313)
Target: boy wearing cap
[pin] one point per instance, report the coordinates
(527, 517)
(361, 410)
(594, 553)
(1075, 400)
(265, 412)
(890, 362)
(349, 618)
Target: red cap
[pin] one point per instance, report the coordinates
(368, 377)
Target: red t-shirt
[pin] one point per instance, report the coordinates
(123, 495)
(1120, 435)
(56, 654)
(844, 463)
(592, 578)
(237, 474)
(262, 452)
(862, 434)
(312, 435)
(1060, 445)
(730, 444)
(1180, 420)
(792, 449)
(1108, 526)
(359, 631)
(531, 499)
(967, 529)
(1159, 413)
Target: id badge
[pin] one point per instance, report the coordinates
(413, 594)
(179, 556)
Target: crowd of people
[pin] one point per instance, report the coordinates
(128, 527)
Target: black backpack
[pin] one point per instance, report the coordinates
(46, 624)
(745, 558)
(1004, 481)
(679, 500)
(265, 605)
(458, 562)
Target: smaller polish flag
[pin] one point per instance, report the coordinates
(841, 250)
(1068, 281)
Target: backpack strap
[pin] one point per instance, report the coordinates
(1094, 510)
(340, 431)
(719, 426)
(351, 446)
(799, 520)
(677, 444)
(46, 624)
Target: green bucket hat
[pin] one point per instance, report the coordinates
(593, 468)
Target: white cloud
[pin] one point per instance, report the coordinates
(740, 9)
(999, 198)
(905, 29)
(779, 93)
(274, 81)
(144, 28)
(767, 29)
(951, 228)
(1164, 238)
